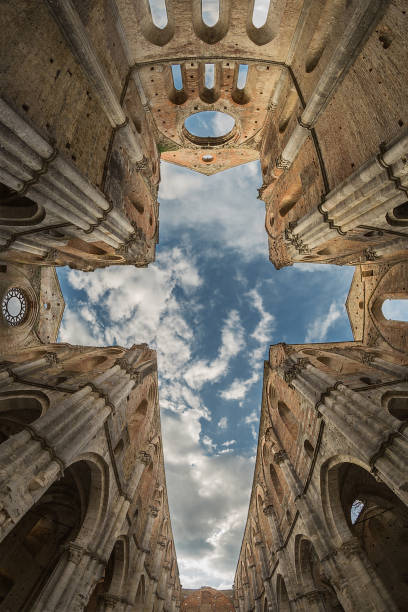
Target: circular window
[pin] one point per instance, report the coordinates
(14, 306)
(209, 123)
(207, 158)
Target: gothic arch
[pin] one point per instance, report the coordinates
(95, 512)
(380, 525)
(282, 595)
(19, 409)
(310, 576)
(289, 420)
(35, 546)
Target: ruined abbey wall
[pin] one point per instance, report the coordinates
(89, 105)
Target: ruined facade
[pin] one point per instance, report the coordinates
(84, 515)
(206, 599)
(93, 95)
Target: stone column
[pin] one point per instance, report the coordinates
(266, 574)
(157, 560)
(141, 555)
(374, 433)
(357, 584)
(285, 565)
(63, 584)
(31, 460)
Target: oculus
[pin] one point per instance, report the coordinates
(14, 306)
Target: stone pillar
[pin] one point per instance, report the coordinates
(157, 560)
(31, 460)
(75, 568)
(266, 574)
(357, 584)
(373, 432)
(285, 565)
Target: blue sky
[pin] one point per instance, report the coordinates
(211, 305)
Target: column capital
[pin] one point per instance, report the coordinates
(280, 456)
(75, 552)
(144, 457)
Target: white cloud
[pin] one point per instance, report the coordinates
(239, 388)
(230, 217)
(251, 418)
(317, 330)
(229, 443)
(223, 423)
(232, 343)
(262, 334)
(208, 522)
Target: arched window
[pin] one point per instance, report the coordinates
(356, 509)
(18, 210)
(209, 76)
(309, 449)
(30, 552)
(399, 215)
(177, 76)
(276, 482)
(15, 412)
(159, 13)
(242, 76)
(395, 310)
(398, 407)
(210, 12)
(288, 419)
(260, 12)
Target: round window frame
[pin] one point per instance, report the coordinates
(21, 317)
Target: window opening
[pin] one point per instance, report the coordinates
(177, 76)
(395, 310)
(401, 211)
(398, 408)
(159, 13)
(242, 76)
(14, 306)
(209, 124)
(210, 12)
(356, 509)
(209, 76)
(260, 12)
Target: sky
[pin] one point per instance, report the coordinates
(211, 304)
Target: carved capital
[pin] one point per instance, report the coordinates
(144, 457)
(370, 254)
(75, 552)
(52, 359)
(367, 358)
(351, 547)
(154, 511)
(142, 164)
(280, 456)
(268, 510)
(283, 164)
(291, 370)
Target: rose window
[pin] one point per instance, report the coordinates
(14, 306)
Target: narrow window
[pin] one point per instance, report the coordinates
(356, 509)
(288, 419)
(395, 310)
(276, 482)
(177, 76)
(309, 449)
(210, 12)
(260, 12)
(209, 76)
(242, 76)
(159, 13)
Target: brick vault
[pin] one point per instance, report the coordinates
(93, 95)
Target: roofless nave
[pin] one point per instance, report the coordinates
(94, 94)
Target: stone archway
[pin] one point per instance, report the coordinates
(365, 510)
